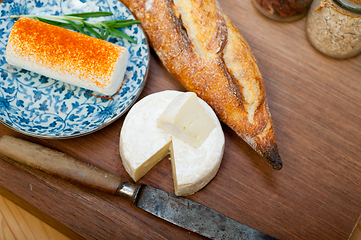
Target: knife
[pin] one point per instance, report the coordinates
(177, 210)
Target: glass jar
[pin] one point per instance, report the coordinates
(283, 10)
(334, 27)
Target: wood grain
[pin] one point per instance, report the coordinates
(16, 223)
(315, 103)
(356, 233)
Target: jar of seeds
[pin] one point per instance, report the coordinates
(334, 27)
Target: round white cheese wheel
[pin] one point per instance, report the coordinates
(143, 144)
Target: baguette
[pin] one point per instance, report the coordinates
(202, 49)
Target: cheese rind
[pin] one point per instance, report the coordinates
(67, 56)
(186, 118)
(140, 138)
(143, 144)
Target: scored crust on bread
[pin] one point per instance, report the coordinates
(202, 49)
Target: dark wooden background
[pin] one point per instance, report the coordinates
(315, 103)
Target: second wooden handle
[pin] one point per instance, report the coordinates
(59, 164)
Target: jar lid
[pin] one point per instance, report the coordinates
(352, 5)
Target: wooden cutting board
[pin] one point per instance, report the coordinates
(315, 103)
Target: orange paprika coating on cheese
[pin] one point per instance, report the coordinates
(65, 51)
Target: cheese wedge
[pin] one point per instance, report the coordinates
(186, 119)
(67, 56)
(143, 144)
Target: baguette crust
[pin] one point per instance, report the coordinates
(199, 45)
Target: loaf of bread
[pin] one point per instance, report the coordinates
(203, 50)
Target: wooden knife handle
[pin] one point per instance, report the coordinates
(59, 164)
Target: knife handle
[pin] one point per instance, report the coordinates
(61, 165)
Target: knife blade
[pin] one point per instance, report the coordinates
(176, 210)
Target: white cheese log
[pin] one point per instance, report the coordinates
(143, 144)
(67, 56)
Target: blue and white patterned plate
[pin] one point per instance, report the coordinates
(42, 107)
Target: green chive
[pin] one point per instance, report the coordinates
(91, 14)
(121, 34)
(90, 29)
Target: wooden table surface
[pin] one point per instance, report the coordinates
(315, 103)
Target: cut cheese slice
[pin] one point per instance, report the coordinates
(187, 119)
(67, 56)
(143, 144)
